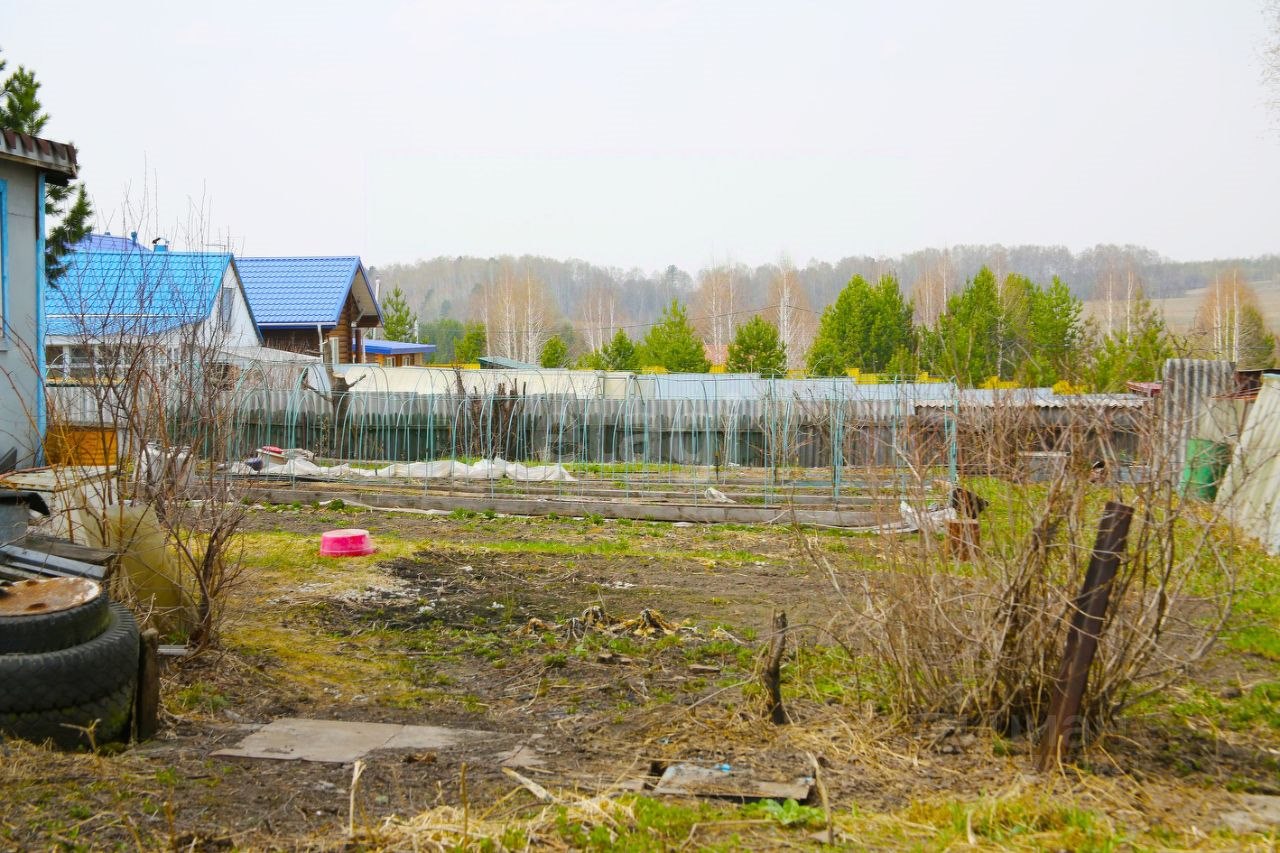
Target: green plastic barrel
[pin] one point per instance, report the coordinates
(1205, 465)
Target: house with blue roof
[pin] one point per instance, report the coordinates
(127, 292)
(318, 306)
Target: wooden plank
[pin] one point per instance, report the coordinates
(690, 780)
(66, 549)
(146, 705)
(702, 513)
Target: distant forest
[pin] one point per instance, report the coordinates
(454, 287)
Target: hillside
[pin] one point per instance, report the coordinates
(452, 286)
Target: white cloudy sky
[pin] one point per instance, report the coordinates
(648, 133)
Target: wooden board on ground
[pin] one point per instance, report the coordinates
(690, 780)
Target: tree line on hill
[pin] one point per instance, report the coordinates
(597, 300)
(993, 329)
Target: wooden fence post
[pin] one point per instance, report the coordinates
(1088, 610)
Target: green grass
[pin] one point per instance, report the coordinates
(619, 546)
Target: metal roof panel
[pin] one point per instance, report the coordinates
(298, 291)
(137, 293)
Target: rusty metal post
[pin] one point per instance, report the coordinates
(1082, 637)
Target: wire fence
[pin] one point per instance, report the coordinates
(565, 432)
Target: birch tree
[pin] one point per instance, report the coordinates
(517, 313)
(789, 312)
(1229, 324)
(716, 303)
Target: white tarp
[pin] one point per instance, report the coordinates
(1250, 492)
(443, 469)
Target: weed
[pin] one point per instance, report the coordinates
(789, 813)
(200, 696)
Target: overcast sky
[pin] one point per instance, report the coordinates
(649, 133)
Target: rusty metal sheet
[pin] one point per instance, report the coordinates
(47, 596)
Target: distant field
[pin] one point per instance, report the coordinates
(1180, 311)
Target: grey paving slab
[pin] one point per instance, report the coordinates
(340, 741)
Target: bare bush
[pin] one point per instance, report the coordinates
(161, 393)
(981, 639)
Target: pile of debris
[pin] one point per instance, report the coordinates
(650, 623)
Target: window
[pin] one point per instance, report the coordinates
(226, 307)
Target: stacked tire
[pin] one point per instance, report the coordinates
(67, 672)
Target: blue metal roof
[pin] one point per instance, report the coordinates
(286, 292)
(381, 347)
(109, 243)
(133, 293)
(497, 362)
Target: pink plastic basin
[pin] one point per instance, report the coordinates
(352, 542)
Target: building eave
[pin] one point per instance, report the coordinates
(56, 159)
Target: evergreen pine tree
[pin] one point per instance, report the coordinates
(618, 354)
(966, 343)
(1137, 355)
(472, 345)
(756, 348)
(673, 344)
(865, 327)
(398, 322)
(21, 111)
(555, 352)
(1055, 337)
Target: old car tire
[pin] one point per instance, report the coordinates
(49, 632)
(107, 717)
(73, 676)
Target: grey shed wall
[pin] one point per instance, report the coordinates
(1189, 386)
(20, 381)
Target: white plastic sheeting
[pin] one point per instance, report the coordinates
(443, 469)
(1250, 491)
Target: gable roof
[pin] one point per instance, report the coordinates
(303, 291)
(134, 293)
(55, 158)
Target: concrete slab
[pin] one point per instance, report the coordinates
(1261, 813)
(342, 742)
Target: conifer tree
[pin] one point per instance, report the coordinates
(865, 327)
(618, 354)
(756, 348)
(398, 322)
(673, 344)
(1136, 353)
(472, 345)
(555, 352)
(21, 111)
(966, 343)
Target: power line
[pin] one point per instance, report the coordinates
(753, 311)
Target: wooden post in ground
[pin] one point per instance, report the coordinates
(1082, 637)
(772, 676)
(146, 703)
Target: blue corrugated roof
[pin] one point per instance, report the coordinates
(380, 347)
(134, 293)
(297, 291)
(108, 243)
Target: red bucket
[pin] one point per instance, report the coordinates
(351, 542)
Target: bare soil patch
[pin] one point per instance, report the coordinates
(467, 623)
